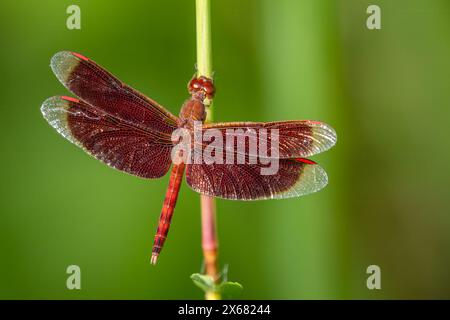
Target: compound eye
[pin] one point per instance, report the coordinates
(202, 85)
(194, 85)
(209, 87)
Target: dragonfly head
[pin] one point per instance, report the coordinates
(201, 88)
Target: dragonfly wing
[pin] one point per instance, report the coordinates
(296, 139)
(99, 88)
(245, 181)
(117, 143)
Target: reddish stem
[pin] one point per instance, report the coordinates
(210, 243)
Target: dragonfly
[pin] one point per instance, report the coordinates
(132, 133)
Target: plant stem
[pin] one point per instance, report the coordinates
(208, 207)
(209, 242)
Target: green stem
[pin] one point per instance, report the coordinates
(204, 61)
(204, 68)
(204, 57)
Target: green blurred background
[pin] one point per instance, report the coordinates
(386, 92)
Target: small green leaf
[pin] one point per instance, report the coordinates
(226, 290)
(230, 290)
(204, 282)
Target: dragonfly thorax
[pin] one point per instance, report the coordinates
(192, 110)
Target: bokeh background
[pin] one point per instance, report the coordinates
(386, 92)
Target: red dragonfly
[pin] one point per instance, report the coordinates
(133, 133)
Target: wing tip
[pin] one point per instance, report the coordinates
(62, 64)
(318, 174)
(331, 131)
(312, 179)
(324, 133)
(58, 56)
(50, 104)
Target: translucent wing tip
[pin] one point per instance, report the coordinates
(318, 176)
(312, 179)
(63, 63)
(332, 134)
(328, 133)
(323, 135)
(54, 110)
(49, 105)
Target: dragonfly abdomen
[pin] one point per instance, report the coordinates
(176, 176)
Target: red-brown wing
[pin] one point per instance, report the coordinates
(99, 88)
(119, 144)
(296, 139)
(245, 181)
